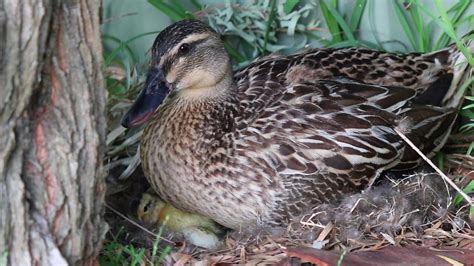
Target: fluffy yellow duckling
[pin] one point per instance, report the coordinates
(196, 229)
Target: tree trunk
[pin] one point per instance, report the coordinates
(52, 131)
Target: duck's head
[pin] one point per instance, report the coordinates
(189, 60)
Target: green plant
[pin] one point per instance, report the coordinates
(156, 244)
(252, 28)
(449, 25)
(344, 32)
(419, 31)
(174, 9)
(341, 257)
(122, 72)
(115, 253)
(458, 199)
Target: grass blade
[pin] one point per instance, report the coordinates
(124, 45)
(234, 54)
(196, 4)
(357, 14)
(405, 25)
(181, 10)
(269, 24)
(423, 41)
(447, 26)
(343, 24)
(460, 8)
(469, 150)
(468, 189)
(168, 10)
(331, 23)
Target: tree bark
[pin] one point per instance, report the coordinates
(52, 132)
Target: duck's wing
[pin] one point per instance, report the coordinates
(344, 129)
(436, 75)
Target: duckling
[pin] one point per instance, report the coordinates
(286, 133)
(196, 229)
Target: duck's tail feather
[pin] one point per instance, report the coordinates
(433, 114)
(461, 71)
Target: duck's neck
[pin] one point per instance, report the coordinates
(214, 107)
(219, 91)
(195, 123)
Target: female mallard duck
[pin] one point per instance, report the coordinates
(287, 132)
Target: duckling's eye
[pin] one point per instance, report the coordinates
(147, 207)
(184, 48)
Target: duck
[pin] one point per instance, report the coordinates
(261, 145)
(198, 230)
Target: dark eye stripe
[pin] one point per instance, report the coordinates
(191, 46)
(169, 60)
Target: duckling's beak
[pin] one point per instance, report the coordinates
(154, 92)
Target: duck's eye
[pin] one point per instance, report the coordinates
(184, 48)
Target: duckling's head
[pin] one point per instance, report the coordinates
(189, 60)
(150, 208)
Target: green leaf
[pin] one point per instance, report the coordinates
(468, 189)
(459, 9)
(124, 45)
(341, 258)
(269, 24)
(331, 22)
(289, 5)
(469, 150)
(236, 56)
(405, 25)
(196, 4)
(181, 10)
(447, 26)
(110, 56)
(423, 41)
(440, 159)
(157, 241)
(343, 24)
(170, 11)
(165, 252)
(357, 14)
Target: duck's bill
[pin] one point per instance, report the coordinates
(152, 95)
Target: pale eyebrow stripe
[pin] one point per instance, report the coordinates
(189, 39)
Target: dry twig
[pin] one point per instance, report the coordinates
(447, 179)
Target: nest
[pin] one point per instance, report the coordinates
(414, 210)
